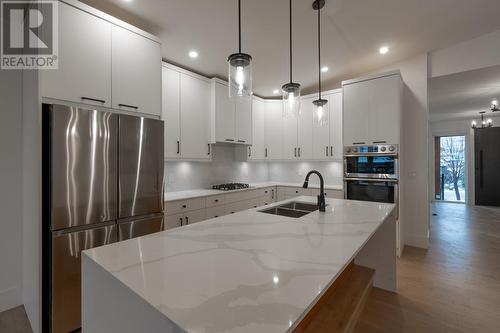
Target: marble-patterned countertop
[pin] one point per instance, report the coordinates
(244, 272)
(195, 193)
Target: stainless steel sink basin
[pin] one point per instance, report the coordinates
(292, 209)
(300, 206)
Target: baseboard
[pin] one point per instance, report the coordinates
(416, 241)
(10, 298)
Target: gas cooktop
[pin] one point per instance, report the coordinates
(230, 186)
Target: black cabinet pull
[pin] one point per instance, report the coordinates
(181, 221)
(294, 152)
(266, 152)
(243, 141)
(183, 206)
(208, 149)
(231, 140)
(331, 150)
(128, 106)
(326, 150)
(296, 191)
(249, 151)
(178, 147)
(187, 220)
(299, 151)
(216, 200)
(93, 99)
(383, 141)
(359, 143)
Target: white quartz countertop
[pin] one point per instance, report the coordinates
(195, 193)
(244, 272)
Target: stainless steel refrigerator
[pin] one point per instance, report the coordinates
(102, 183)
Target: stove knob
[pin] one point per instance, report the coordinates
(382, 149)
(348, 150)
(355, 150)
(392, 148)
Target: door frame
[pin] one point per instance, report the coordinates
(469, 163)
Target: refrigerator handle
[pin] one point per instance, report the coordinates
(481, 169)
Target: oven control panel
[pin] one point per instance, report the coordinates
(376, 149)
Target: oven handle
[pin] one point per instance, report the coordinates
(371, 154)
(380, 180)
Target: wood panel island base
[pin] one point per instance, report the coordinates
(244, 272)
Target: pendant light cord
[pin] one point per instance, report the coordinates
(291, 41)
(239, 25)
(319, 48)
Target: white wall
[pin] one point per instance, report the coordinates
(414, 213)
(472, 54)
(10, 189)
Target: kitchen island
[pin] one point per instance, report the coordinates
(244, 272)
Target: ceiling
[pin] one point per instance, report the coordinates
(352, 31)
(463, 95)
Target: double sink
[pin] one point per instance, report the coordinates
(294, 209)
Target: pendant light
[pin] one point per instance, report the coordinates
(291, 90)
(321, 105)
(240, 70)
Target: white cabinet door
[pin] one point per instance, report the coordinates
(224, 114)
(84, 73)
(136, 72)
(385, 106)
(274, 130)
(171, 111)
(195, 216)
(356, 113)
(257, 150)
(305, 131)
(244, 122)
(335, 124)
(290, 138)
(173, 221)
(195, 115)
(320, 134)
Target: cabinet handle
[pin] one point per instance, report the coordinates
(128, 106)
(178, 147)
(326, 150)
(183, 206)
(243, 141)
(359, 143)
(383, 141)
(266, 153)
(181, 221)
(231, 140)
(296, 191)
(294, 152)
(208, 149)
(187, 220)
(216, 200)
(299, 151)
(249, 151)
(272, 195)
(93, 99)
(331, 150)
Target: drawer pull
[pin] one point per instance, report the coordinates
(187, 220)
(296, 191)
(242, 141)
(326, 150)
(180, 221)
(93, 100)
(216, 200)
(183, 206)
(128, 106)
(216, 215)
(230, 140)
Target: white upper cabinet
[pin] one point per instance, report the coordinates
(289, 138)
(231, 121)
(335, 125)
(84, 73)
(195, 117)
(321, 134)
(372, 110)
(257, 150)
(223, 113)
(186, 112)
(244, 122)
(136, 72)
(171, 111)
(305, 131)
(273, 130)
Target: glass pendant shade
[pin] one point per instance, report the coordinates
(291, 99)
(320, 116)
(240, 76)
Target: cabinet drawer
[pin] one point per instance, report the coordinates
(240, 196)
(296, 191)
(268, 191)
(235, 207)
(214, 212)
(214, 200)
(173, 221)
(179, 206)
(266, 200)
(195, 216)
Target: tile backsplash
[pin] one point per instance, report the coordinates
(225, 168)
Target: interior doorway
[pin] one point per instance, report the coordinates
(450, 168)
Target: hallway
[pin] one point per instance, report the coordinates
(452, 287)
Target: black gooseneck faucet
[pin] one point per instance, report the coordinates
(321, 196)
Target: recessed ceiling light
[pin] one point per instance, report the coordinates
(324, 69)
(494, 102)
(383, 50)
(276, 91)
(193, 54)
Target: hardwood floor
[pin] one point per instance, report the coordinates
(452, 287)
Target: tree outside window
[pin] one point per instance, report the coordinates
(453, 164)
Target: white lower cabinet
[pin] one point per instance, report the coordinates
(287, 192)
(173, 221)
(195, 216)
(214, 212)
